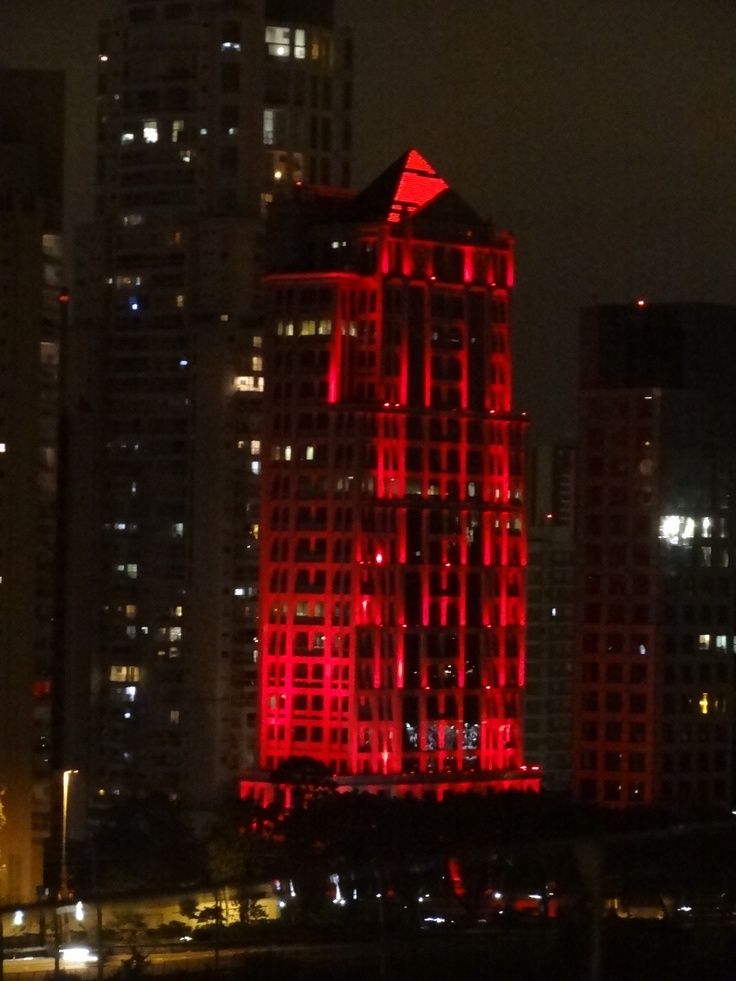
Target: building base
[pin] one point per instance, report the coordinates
(260, 788)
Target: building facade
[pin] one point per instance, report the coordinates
(31, 155)
(205, 110)
(551, 611)
(653, 706)
(393, 543)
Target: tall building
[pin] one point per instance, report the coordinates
(31, 158)
(205, 110)
(551, 610)
(654, 706)
(392, 535)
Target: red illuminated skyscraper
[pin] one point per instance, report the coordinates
(392, 538)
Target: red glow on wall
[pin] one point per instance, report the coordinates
(391, 638)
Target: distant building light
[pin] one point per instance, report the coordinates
(641, 302)
(277, 175)
(103, 57)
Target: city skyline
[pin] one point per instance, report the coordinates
(601, 139)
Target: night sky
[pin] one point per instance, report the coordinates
(601, 132)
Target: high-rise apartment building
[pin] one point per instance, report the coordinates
(31, 160)
(392, 535)
(654, 705)
(205, 109)
(551, 610)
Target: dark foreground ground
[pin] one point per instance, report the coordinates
(633, 951)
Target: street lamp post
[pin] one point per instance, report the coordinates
(66, 779)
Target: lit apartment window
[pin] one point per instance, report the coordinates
(257, 363)
(150, 131)
(125, 672)
(268, 127)
(3, 448)
(127, 137)
(174, 633)
(174, 717)
(257, 342)
(249, 383)
(703, 642)
(177, 128)
(131, 611)
(308, 328)
(325, 327)
(230, 46)
(255, 467)
(255, 447)
(300, 44)
(278, 41)
(309, 453)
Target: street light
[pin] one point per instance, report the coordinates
(66, 779)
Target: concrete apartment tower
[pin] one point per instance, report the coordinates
(654, 678)
(31, 158)
(205, 110)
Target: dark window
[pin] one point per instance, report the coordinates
(230, 77)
